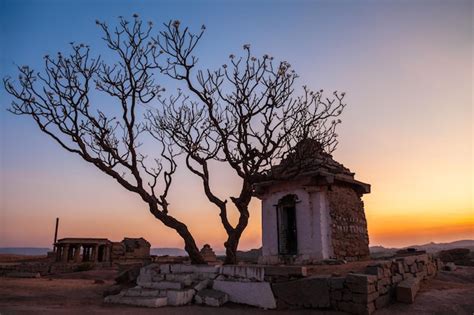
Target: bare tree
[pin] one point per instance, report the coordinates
(245, 114)
(107, 135)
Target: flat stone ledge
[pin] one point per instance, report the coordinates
(211, 297)
(251, 293)
(137, 301)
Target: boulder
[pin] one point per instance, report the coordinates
(129, 275)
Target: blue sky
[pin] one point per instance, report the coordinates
(406, 67)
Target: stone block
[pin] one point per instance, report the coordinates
(362, 298)
(211, 297)
(201, 285)
(375, 270)
(137, 301)
(397, 278)
(336, 283)
(360, 278)
(286, 271)
(162, 285)
(165, 268)
(336, 295)
(157, 278)
(407, 289)
(185, 279)
(310, 292)
(246, 272)
(251, 293)
(182, 268)
(142, 292)
(180, 297)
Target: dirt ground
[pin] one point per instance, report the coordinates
(448, 293)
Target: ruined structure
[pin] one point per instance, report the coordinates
(312, 209)
(101, 250)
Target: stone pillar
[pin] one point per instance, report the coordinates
(58, 252)
(65, 253)
(107, 253)
(77, 254)
(95, 253)
(85, 253)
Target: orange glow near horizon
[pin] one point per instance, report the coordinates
(407, 129)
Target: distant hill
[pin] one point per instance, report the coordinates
(33, 251)
(429, 247)
(168, 251)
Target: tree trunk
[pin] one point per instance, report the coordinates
(189, 244)
(233, 239)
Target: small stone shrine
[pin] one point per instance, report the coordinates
(312, 210)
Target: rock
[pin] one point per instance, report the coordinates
(129, 275)
(308, 292)
(450, 266)
(201, 285)
(113, 290)
(251, 293)
(211, 297)
(407, 289)
(137, 301)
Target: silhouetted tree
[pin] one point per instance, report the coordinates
(107, 135)
(245, 114)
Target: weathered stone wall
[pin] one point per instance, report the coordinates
(355, 293)
(350, 240)
(277, 286)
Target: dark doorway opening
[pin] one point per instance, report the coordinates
(287, 234)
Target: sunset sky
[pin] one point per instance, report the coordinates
(406, 67)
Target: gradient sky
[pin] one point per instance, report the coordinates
(406, 67)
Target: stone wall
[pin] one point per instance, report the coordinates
(278, 287)
(350, 240)
(355, 293)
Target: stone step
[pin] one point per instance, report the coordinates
(137, 301)
(185, 278)
(211, 297)
(143, 292)
(180, 297)
(162, 285)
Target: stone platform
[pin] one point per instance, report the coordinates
(271, 287)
